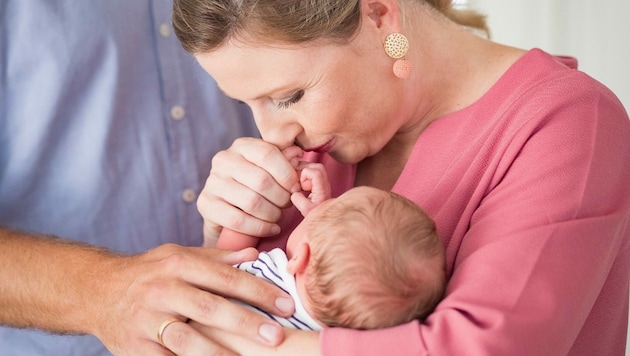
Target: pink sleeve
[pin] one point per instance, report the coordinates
(401, 340)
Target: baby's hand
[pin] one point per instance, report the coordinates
(293, 155)
(313, 179)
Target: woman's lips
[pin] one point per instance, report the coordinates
(321, 149)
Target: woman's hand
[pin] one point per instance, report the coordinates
(142, 292)
(248, 186)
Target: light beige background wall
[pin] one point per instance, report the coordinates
(596, 32)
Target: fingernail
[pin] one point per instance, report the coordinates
(270, 333)
(285, 305)
(275, 230)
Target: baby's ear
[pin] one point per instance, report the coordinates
(297, 264)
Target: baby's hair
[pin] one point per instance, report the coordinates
(384, 267)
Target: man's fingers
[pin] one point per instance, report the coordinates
(218, 312)
(180, 338)
(221, 278)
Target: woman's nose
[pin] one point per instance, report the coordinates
(277, 130)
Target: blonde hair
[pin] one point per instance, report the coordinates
(204, 25)
(375, 264)
(466, 18)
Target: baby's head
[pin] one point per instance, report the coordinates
(373, 260)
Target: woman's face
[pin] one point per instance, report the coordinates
(340, 99)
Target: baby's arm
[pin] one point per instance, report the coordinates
(313, 179)
(233, 240)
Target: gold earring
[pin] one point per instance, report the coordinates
(396, 46)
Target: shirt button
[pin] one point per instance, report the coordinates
(178, 112)
(189, 195)
(165, 30)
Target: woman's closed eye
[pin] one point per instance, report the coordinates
(292, 100)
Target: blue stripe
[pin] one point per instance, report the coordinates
(262, 273)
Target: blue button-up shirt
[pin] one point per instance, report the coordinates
(107, 131)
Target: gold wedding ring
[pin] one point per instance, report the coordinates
(161, 330)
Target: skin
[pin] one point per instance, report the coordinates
(312, 179)
(352, 106)
(299, 246)
(120, 299)
(341, 99)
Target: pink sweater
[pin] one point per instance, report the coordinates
(530, 191)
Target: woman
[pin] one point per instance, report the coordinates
(522, 161)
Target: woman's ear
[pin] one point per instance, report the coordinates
(297, 264)
(381, 11)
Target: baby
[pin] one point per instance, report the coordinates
(367, 259)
